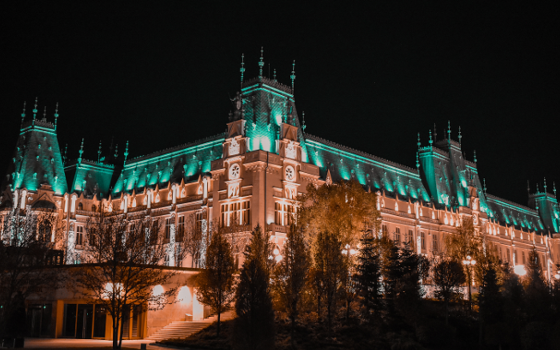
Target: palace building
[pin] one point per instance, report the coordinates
(252, 174)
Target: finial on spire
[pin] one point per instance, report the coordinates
(261, 63)
(538, 188)
(45, 113)
(116, 151)
(125, 153)
(64, 156)
(417, 161)
(435, 132)
(484, 188)
(274, 77)
(475, 156)
(55, 116)
(418, 143)
(242, 69)
(23, 114)
(528, 188)
(460, 136)
(293, 76)
(34, 111)
(303, 126)
(431, 141)
(449, 132)
(545, 185)
(554, 188)
(99, 152)
(81, 151)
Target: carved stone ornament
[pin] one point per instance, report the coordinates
(234, 148)
(290, 173)
(234, 171)
(291, 150)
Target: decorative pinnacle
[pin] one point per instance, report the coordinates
(303, 126)
(81, 151)
(417, 161)
(261, 63)
(35, 111)
(55, 116)
(545, 185)
(125, 153)
(64, 156)
(23, 114)
(418, 143)
(293, 76)
(431, 142)
(460, 137)
(475, 156)
(554, 188)
(274, 77)
(484, 188)
(45, 113)
(435, 132)
(99, 152)
(116, 151)
(242, 69)
(448, 132)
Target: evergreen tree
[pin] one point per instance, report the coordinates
(215, 282)
(254, 325)
(290, 275)
(491, 305)
(329, 269)
(448, 277)
(537, 296)
(368, 278)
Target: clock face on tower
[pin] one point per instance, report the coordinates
(290, 173)
(234, 171)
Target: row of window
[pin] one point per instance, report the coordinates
(237, 213)
(408, 238)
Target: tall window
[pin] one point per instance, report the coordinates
(79, 235)
(397, 236)
(284, 214)
(179, 256)
(410, 238)
(384, 230)
(507, 256)
(435, 242)
(423, 240)
(180, 229)
(523, 257)
(154, 232)
(199, 217)
(168, 223)
(238, 213)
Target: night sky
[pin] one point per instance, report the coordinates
(367, 77)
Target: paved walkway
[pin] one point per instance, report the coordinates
(36, 343)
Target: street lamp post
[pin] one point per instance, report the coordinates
(469, 262)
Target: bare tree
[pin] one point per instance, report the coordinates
(26, 251)
(121, 263)
(192, 238)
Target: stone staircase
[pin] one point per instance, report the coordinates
(182, 329)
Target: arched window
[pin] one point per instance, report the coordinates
(93, 207)
(80, 206)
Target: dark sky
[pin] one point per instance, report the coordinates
(367, 77)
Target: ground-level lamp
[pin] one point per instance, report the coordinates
(469, 262)
(348, 251)
(277, 255)
(520, 270)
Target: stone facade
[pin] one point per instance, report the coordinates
(253, 173)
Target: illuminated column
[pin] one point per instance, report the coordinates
(149, 199)
(205, 188)
(73, 206)
(204, 243)
(23, 197)
(66, 203)
(16, 198)
(171, 246)
(71, 244)
(126, 203)
(174, 189)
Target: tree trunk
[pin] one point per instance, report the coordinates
(122, 327)
(218, 329)
(446, 312)
(292, 331)
(115, 333)
(347, 310)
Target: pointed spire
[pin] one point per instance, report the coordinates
(475, 156)
(45, 113)
(34, 111)
(23, 114)
(528, 188)
(125, 153)
(293, 76)
(64, 156)
(435, 132)
(242, 69)
(303, 126)
(431, 142)
(484, 188)
(81, 151)
(99, 152)
(116, 151)
(55, 116)
(417, 161)
(460, 136)
(261, 63)
(449, 132)
(554, 188)
(545, 185)
(538, 190)
(274, 77)
(418, 143)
